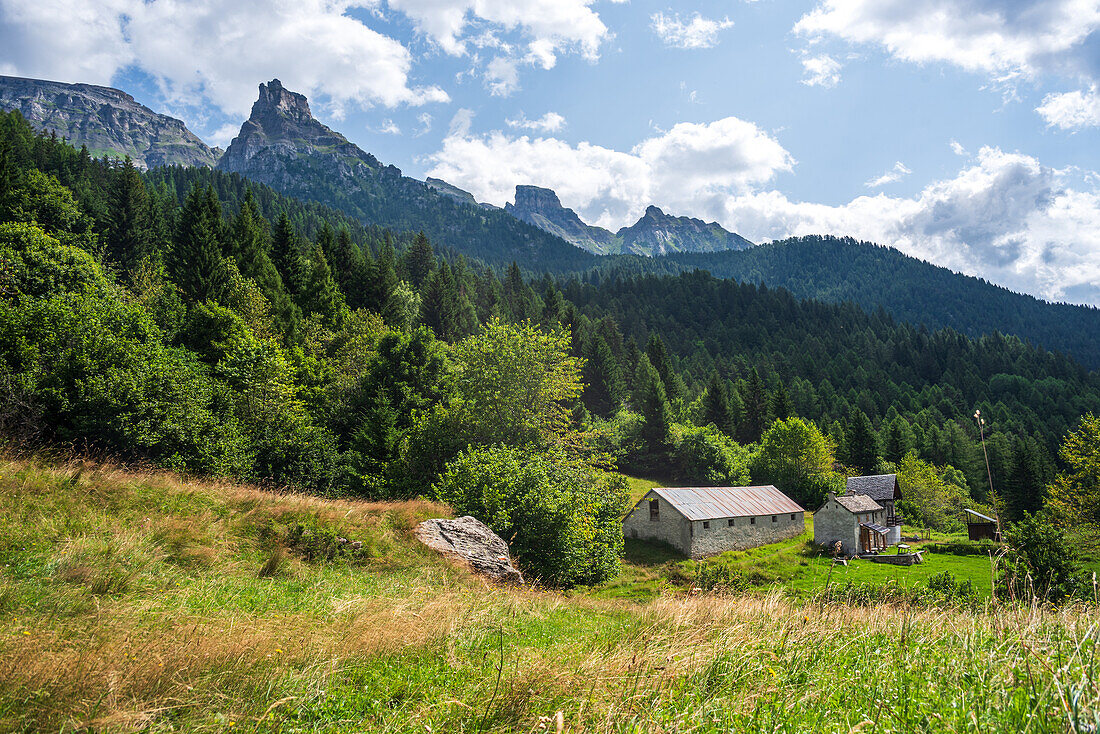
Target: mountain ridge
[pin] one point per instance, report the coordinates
(106, 120)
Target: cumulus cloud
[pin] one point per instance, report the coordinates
(549, 27)
(895, 174)
(217, 50)
(549, 123)
(1071, 110)
(1003, 216)
(696, 32)
(1005, 40)
(820, 71)
(610, 187)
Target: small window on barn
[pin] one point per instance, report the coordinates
(773, 518)
(730, 521)
(752, 521)
(654, 510)
(706, 525)
(792, 515)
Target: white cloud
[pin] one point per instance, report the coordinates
(610, 187)
(1003, 216)
(895, 174)
(1005, 39)
(217, 50)
(958, 149)
(820, 71)
(389, 127)
(425, 120)
(1071, 110)
(549, 123)
(502, 76)
(697, 32)
(549, 26)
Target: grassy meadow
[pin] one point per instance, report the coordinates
(136, 601)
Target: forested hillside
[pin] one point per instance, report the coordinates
(840, 269)
(196, 321)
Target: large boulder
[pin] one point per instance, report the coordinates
(470, 541)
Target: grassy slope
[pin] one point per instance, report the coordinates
(132, 601)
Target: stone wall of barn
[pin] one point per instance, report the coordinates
(672, 527)
(832, 523)
(740, 533)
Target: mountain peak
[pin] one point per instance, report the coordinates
(653, 211)
(542, 208)
(276, 99)
(281, 125)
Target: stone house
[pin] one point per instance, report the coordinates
(705, 521)
(885, 490)
(855, 520)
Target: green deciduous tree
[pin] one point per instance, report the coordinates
(798, 459)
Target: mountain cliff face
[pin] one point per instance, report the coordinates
(283, 146)
(657, 233)
(459, 195)
(108, 121)
(542, 208)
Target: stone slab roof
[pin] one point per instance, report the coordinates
(858, 503)
(877, 487)
(711, 503)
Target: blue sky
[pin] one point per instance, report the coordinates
(964, 132)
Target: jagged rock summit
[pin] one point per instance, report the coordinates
(281, 125)
(469, 541)
(108, 121)
(542, 208)
(657, 233)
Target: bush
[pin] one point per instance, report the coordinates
(561, 517)
(1040, 562)
(706, 456)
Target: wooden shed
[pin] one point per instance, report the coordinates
(981, 527)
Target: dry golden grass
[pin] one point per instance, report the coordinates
(136, 600)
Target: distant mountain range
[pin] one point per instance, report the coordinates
(283, 146)
(108, 121)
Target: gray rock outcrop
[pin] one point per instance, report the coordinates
(471, 542)
(657, 233)
(542, 208)
(106, 120)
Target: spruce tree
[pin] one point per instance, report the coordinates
(130, 234)
(286, 253)
(603, 389)
(717, 407)
(651, 401)
(899, 439)
(863, 448)
(419, 261)
(781, 405)
(350, 268)
(196, 263)
(1024, 487)
(658, 357)
(319, 294)
(445, 309)
(755, 399)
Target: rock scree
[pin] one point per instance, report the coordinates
(470, 541)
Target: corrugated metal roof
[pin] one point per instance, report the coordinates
(877, 487)
(710, 503)
(858, 503)
(877, 528)
(978, 514)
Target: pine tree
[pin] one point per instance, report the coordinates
(899, 439)
(658, 357)
(196, 264)
(651, 401)
(755, 399)
(249, 245)
(320, 295)
(1024, 487)
(781, 405)
(286, 253)
(130, 234)
(718, 408)
(444, 309)
(419, 261)
(350, 269)
(603, 388)
(863, 448)
(518, 296)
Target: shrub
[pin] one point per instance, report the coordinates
(1040, 562)
(705, 455)
(561, 517)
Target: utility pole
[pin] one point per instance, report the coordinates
(988, 471)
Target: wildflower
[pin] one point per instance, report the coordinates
(26, 632)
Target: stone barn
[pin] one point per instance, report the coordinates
(885, 490)
(855, 520)
(705, 521)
